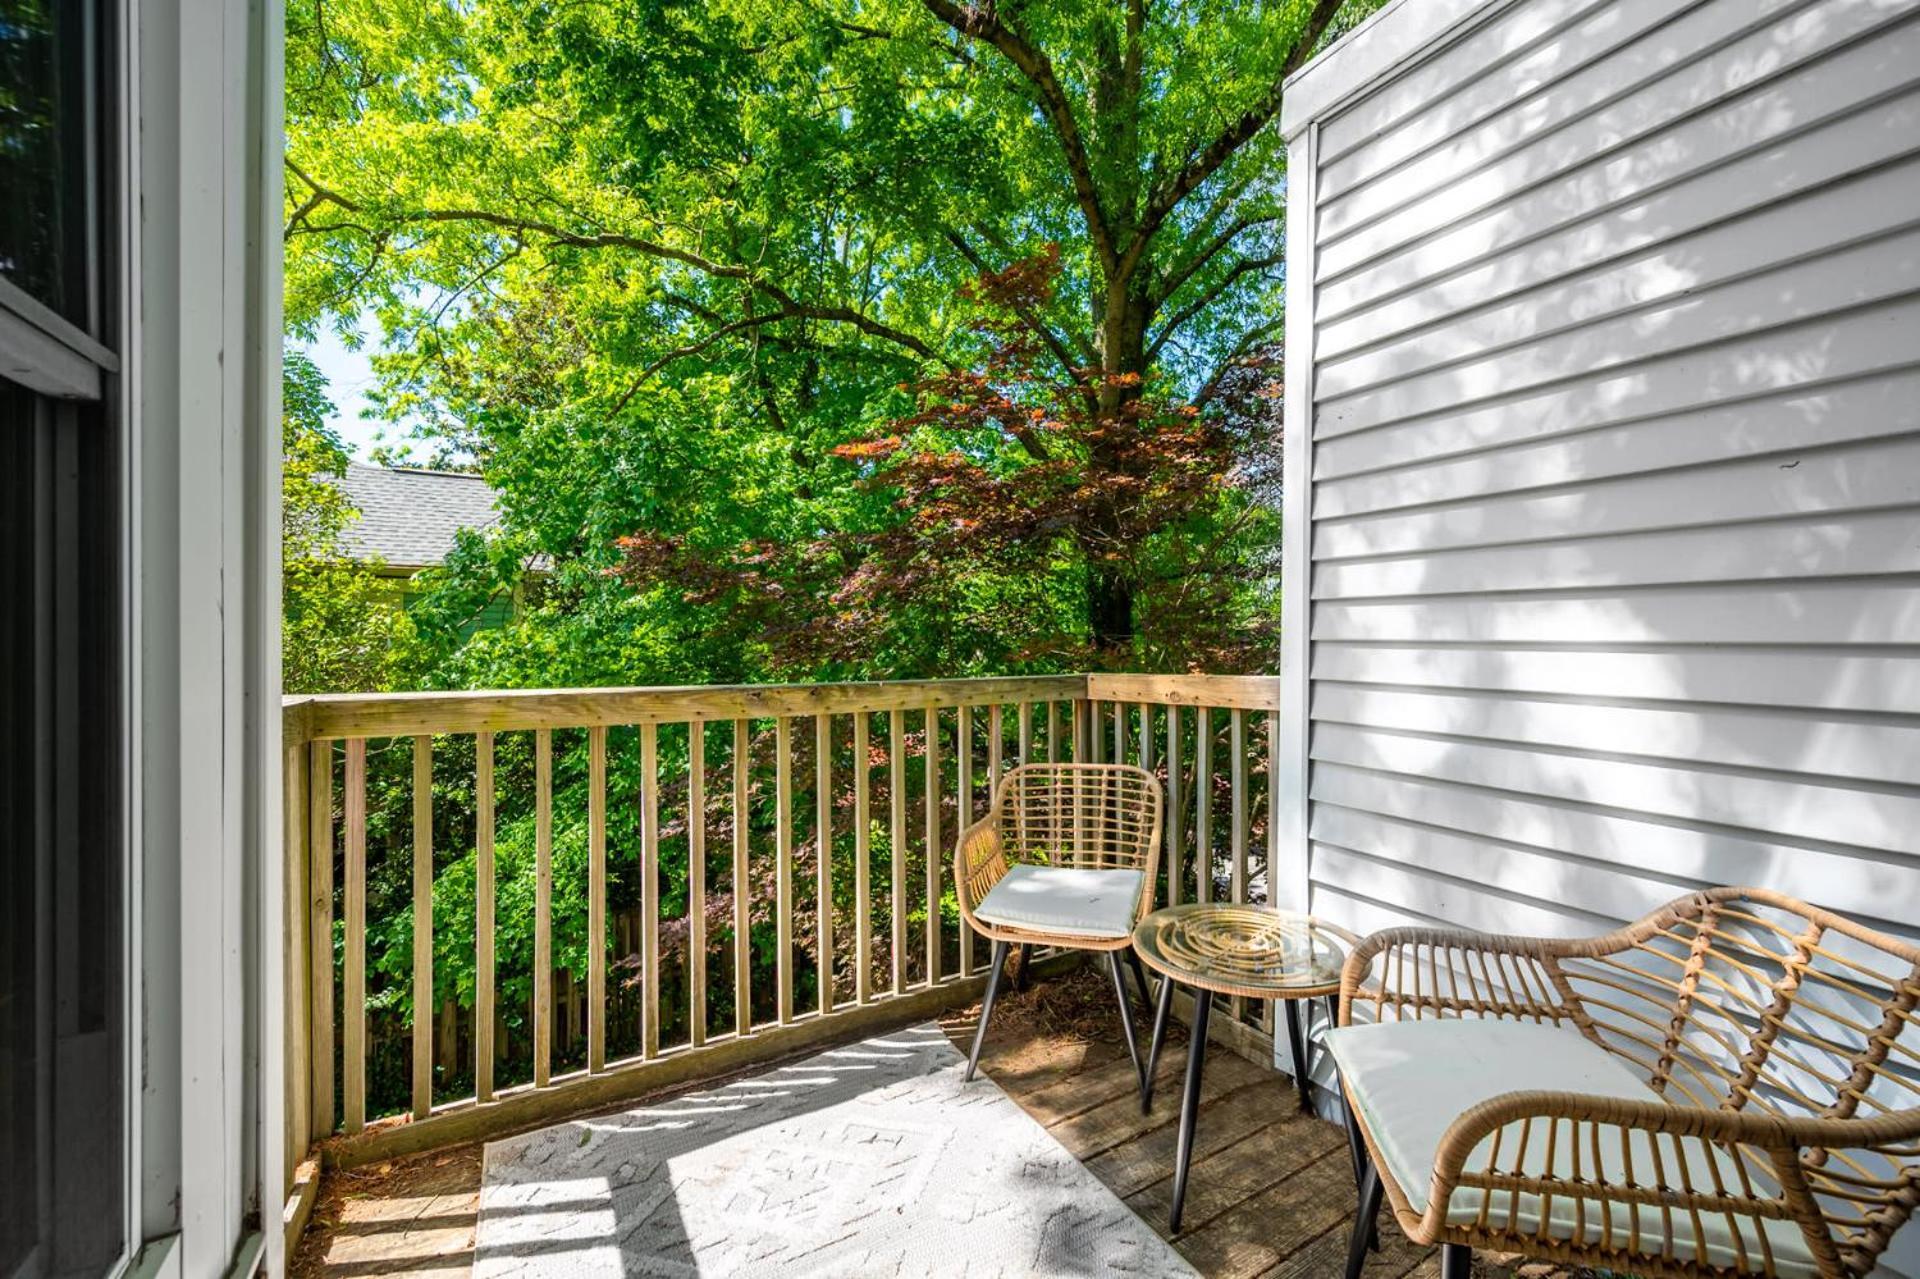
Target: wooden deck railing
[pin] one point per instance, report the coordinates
(422, 829)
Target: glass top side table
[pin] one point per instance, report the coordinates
(1256, 952)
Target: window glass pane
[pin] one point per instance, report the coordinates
(47, 155)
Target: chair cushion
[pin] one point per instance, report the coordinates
(1070, 901)
(1411, 1079)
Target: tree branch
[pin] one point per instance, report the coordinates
(1185, 271)
(1039, 327)
(981, 22)
(1164, 199)
(1208, 297)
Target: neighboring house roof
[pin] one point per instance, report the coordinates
(408, 517)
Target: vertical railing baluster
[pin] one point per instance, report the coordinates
(596, 898)
(542, 907)
(897, 843)
(1146, 736)
(996, 734)
(483, 908)
(1237, 841)
(783, 881)
(353, 984)
(742, 919)
(697, 883)
(963, 813)
(1176, 844)
(1026, 732)
(1119, 732)
(1053, 731)
(823, 870)
(1095, 740)
(1203, 804)
(320, 930)
(422, 926)
(933, 845)
(1082, 717)
(649, 891)
(862, 870)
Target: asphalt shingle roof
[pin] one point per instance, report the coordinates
(408, 517)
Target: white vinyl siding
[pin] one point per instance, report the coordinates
(1607, 324)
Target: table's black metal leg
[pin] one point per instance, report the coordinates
(1162, 1010)
(1126, 1017)
(1363, 1223)
(1297, 1042)
(986, 1006)
(1190, 1104)
(1456, 1261)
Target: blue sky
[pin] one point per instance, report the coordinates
(349, 375)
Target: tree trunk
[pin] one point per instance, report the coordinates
(1110, 596)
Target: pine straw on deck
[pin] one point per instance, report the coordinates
(1270, 1194)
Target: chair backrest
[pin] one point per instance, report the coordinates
(1741, 998)
(1097, 816)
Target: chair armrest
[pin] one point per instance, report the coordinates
(1732, 1170)
(1442, 972)
(979, 861)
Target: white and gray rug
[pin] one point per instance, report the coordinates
(873, 1159)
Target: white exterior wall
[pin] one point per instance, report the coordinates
(202, 279)
(1603, 500)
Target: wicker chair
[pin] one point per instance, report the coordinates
(1065, 857)
(1730, 1086)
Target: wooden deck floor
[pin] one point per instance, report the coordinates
(1270, 1193)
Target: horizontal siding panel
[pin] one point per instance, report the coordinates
(1882, 543)
(1426, 282)
(1843, 880)
(1882, 473)
(1362, 914)
(1614, 892)
(1462, 904)
(1832, 349)
(1691, 124)
(1805, 613)
(1833, 416)
(1734, 738)
(1520, 30)
(1867, 818)
(1488, 102)
(1837, 215)
(1498, 113)
(1801, 289)
(1820, 680)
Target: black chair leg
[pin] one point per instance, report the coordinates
(1456, 1261)
(986, 1006)
(1126, 1017)
(1297, 1042)
(1370, 1193)
(1023, 977)
(1140, 976)
(1162, 1011)
(1357, 1150)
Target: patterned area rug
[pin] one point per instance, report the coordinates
(873, 1159)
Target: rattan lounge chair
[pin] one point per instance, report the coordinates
(1730, 1086)
(1065, 857)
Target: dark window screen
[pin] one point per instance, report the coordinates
(63, 966)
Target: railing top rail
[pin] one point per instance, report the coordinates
(1231, 692)
(346, 715)
(353, 715)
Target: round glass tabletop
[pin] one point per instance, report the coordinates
(1255, 951)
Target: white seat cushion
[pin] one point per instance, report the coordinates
(1412, 1079)
(1066, 900)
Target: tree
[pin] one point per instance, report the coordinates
(714, 239)
(338, 623)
